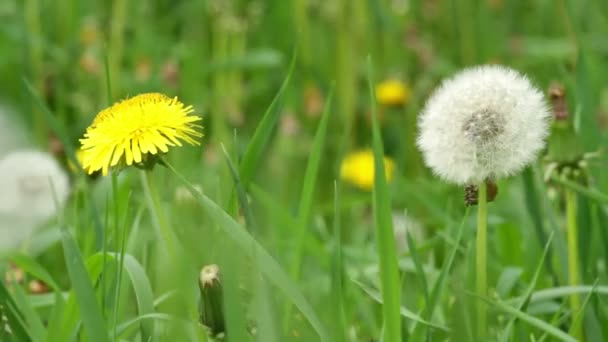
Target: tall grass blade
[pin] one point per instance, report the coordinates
(260, 139)
(531, 320)
(12, 316)
(440, 283)
(90, 312)
(309, 187)
(385, 239)
(337, 272)
(506, 334)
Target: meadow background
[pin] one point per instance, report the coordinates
(282, 87)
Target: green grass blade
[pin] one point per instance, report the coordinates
(389, 271)
(266, 263)
(241, 193)
(130, 324)
(95, 267)
(593, 194)
(234, 315)
(534, 209)
(577, 319)
(337, 272)
(90, 312)
(413, 249)
(531, 320)
(506, 334)
(562, 291)
(31, 266)
(260, 139)
(18, 315)
(309, 187)
(268, 330)
(442, 279)
(33, 320)
(56, 317)
(11, 316)
(142, 290)
(408, 314)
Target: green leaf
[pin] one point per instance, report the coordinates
(385, 239)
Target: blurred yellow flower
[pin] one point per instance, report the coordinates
(357, 168)
(392, 93)
(132, 130)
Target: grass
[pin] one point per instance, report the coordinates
(286, 89)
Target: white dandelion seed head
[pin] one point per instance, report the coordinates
(33, 187)
(486, 122)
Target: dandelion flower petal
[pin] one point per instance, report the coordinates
(129, 130)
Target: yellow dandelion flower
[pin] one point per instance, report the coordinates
(392, 93)
(132, 130)
(357, 168)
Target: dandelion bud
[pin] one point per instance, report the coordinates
(485, 123)
(211, 305)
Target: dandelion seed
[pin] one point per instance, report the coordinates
(486, 122)
(357, 168)
(392, 93)
(136, 129)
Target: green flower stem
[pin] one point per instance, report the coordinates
(481, 260)
(158, 215)
(572, 237)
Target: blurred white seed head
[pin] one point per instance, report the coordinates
(33, 187)
(486, 122)
(403, 223)
(12, 134)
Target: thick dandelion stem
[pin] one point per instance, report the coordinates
(158, 214)
(572, 237)
(481, 260)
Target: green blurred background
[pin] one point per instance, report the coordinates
(228, 59)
